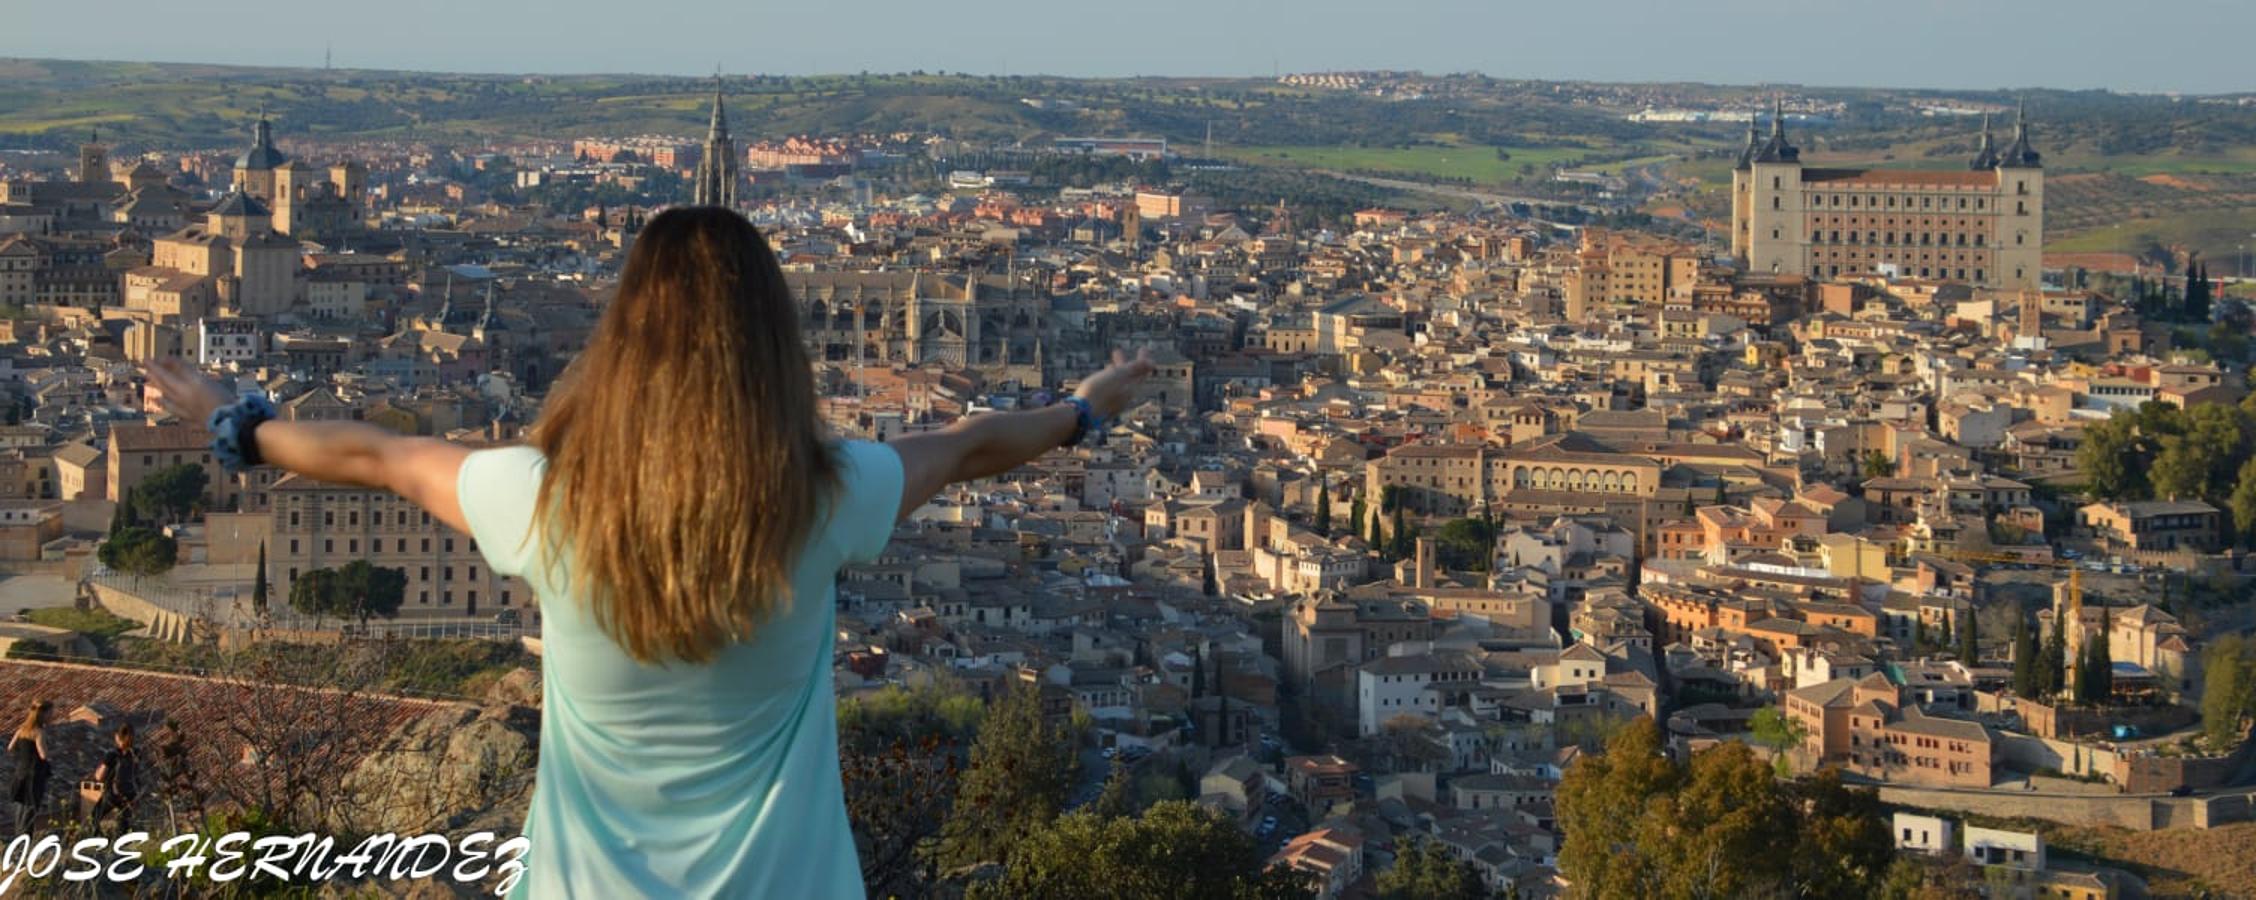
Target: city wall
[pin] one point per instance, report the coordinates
(2134, 813)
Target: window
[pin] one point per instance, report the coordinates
(328, 546)
(450, 545)
(2020, 208)
(426, 545)
(293, 519)
(1777, 203)
(402, 545)
(293, 546)
(352, 545)
(352, 518)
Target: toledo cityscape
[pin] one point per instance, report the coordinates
(1253, 451)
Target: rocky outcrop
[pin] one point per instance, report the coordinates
(457, 770)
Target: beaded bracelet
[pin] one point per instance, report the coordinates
(1085, 422)
(231, 425)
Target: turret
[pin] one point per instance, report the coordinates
(1985, 154)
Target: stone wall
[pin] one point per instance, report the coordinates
(2134, 813)
(163, 624)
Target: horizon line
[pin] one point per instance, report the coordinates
(706, 77)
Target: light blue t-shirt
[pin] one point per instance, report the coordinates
(707, 780)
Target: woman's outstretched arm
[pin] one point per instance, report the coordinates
(991, 444)
(421, 469)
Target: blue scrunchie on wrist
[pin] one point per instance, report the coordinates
(231, 426)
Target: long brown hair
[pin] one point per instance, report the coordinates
(33, 720)
(686, 458)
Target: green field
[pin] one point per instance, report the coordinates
(1481, 165)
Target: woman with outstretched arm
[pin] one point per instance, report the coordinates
(680, 513)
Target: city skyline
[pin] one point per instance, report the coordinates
(2071, 45)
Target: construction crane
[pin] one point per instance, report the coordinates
(2072, 639)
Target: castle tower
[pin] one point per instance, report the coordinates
(1776, 223)
(716, 171)
(1742, 181)
(2020, 171)
(93, 160)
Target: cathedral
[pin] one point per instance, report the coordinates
(992, 324)
(308, 203)
(1982, 225)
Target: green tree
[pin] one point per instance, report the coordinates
(1324, 508)
(1355, 516)
(1198, 673)
(1782, 733)
(356, 589)
(1878, 465)
(1118, 799)
(1601, 803)
(1425, 870)
(1969, 639)
(121, 518)
(1022, 768)
(139, 551)
(1842, 843)
(1466, 544)
(2243, 501)
(170, 494)
(2095, 682)
(2053, 668)
(2026, 680)
(258, 581)
(2228, 689)
(2113, 459)
(1405, 541)
(1175, 849)
(1639, 825)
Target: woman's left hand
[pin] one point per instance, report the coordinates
(182, 391)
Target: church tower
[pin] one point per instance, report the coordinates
(1776, 240)
(254, 170)
(716, 171)
(93, 161)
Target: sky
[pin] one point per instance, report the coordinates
(2194, 46)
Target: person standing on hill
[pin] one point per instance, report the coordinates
(681, 513)
(28, 747)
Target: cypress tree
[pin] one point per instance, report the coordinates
(2025, 681)
(1969, 640)
(1355, 516)
(1198, 673)
(2053, 667)
(258, 582)
(1324, 509)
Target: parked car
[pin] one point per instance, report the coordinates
(1268, 826)
(2183, 790)
(1111, 752)
(507, 617)
(2070, 553)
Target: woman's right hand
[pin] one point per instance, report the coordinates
(1110, 391)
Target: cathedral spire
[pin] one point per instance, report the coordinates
(716, 169)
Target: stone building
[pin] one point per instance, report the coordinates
(1983, 225)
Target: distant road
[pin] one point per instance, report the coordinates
(1462, 193)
